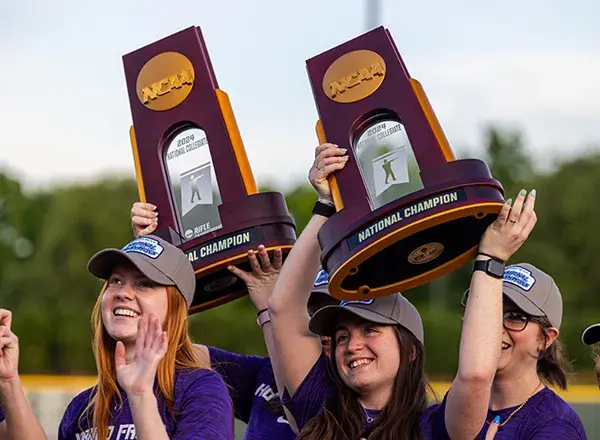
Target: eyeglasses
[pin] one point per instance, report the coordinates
(516, 321)
(513, 320)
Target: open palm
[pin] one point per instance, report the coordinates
(137, 376)
(261, 281)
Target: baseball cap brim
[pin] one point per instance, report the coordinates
(591, 335)
(521, 301)
(325, 320)
(102, 264)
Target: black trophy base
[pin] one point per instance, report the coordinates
(408, 242)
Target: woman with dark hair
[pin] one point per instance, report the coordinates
(531, 358)
(250, 378)
(374, 386)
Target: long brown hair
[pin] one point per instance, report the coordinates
(180, 355)
(553, 365)
(342, 416)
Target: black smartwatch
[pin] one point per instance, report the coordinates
(323, 209)
(493, 267)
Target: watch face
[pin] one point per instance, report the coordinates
(496, 268)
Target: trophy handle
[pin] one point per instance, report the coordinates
(433, 120)
(136, 162)
(236, 142)
(335, 189)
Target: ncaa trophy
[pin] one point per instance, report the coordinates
(407, 211)
(191, 163)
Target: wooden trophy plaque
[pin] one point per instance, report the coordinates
(407, 210)
(191, 163)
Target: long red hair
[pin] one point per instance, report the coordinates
(180, 355)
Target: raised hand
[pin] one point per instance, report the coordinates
(137, 376)
(9, 348)
(144, 219)
(261, 280)
(328, 158)
(509, 231)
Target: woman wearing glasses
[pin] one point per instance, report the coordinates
(521, 406)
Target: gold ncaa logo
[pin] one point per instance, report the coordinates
(165, 81)
(354, 76)
(426, 253)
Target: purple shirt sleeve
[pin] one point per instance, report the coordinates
(240, 374)
(68, 426)
(204, 409)
(309, 399)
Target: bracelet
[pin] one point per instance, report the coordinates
(491, 256)
(263, 318)
(261, 311)
(324, 209)
(326, 201)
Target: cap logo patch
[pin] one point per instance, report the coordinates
(145, 246)
(519, 276)
(322, 278)
(362, 301)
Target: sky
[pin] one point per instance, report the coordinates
(529, 65)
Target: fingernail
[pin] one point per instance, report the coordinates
(532, 192)
(345, 157)
(343, 150)
(522, 192)
(496, 419)
(509, 201)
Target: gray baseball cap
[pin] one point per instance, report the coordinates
(320, 296)
(156, 258)
(533, 291)
(591, 335)
(392, 310)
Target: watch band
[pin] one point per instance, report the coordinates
(492, 267)
(324, 209)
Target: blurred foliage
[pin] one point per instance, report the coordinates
(47, 237)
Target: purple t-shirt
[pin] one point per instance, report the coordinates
(310, 397)
(254, 394)
(544, 417)
(202, 411)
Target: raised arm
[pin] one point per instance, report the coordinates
(296, 347)
(20, 423)
(481, 338)
(260, 283)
